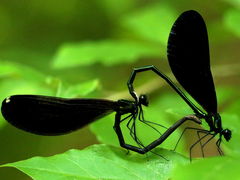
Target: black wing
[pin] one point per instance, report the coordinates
(47, 115)
(188, 56)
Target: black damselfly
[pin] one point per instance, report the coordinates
(188, 56)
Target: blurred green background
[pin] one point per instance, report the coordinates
(87, 48)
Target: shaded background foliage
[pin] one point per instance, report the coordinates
(88, 48)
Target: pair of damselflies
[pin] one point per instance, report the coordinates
(188, 56)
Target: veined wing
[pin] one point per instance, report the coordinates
(188, 56)
(46, 115)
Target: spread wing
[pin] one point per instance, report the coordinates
(188, 56)
(47, 115)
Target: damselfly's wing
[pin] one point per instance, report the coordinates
(47, 115)
(188, 56)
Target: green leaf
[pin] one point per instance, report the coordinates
(117, 7)
(100, 162)
(20, 79)
(26, 56)
(152, 23)
(15, 70)
(80, 90)
(220, 168)
(225, 93)
(235, 3)
(107, 52)
(232, 21)
(103, 129)
(21, 86)
(233, 108)
(2, 122)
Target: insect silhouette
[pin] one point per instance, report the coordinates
(189, 59)
(188, 55)
(47, 115)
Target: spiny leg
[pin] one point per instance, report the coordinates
(131, 129)
(159, 155)
(137, 140)
(118, 131)
(126, 118)
(144, 148)
(213, 135)
(128, 123)
(192, 146)
(187, 128)
(218, 143)
(201, 145)
(141, 119)
(150, 122)
(198, 133)
(147, 123)
(219, 148)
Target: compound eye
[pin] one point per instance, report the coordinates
(143, 99)
(227, 134)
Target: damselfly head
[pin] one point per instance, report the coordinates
(227, 134)
(143, 99)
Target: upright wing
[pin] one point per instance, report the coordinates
(188, 56)
(47, 115)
